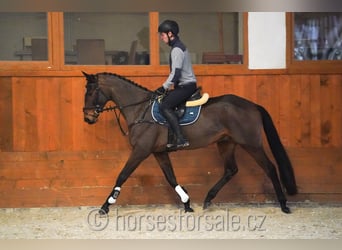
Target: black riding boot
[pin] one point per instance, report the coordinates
(180, 141)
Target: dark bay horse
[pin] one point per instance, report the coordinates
(226, 120)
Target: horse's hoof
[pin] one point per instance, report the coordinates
(206, 204)
(104, 210)
(286, 210)
(188, 209)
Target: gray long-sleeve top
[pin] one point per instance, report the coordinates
(181, 71)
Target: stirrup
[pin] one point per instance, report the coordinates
(184, 143)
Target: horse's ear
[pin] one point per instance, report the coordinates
(85, 74)
(89, 77)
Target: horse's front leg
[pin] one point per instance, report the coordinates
(166, 166)
(136, 157)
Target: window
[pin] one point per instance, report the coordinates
(215, 38)
(317, 36)
(106, 38)
(25, 37)
(57, 41)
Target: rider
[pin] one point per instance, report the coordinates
(181, 77)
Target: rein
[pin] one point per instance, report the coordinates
(120, 108)
(99, 110)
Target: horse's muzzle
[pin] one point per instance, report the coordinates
(90, 121)
(90, 118)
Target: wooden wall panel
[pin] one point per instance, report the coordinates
(77, 87)
(284, 123)
(25, 136)
(50, 157)
(315, 111)
(6, 115)
(336, 116)
(66, 115)
(326, 111)
(48, 113)
(60, 179)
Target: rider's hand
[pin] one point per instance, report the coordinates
(160, 90)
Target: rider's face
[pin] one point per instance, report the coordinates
(165, 37)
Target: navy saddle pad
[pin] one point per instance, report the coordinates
(191, 115)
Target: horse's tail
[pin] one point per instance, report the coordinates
(284, 165)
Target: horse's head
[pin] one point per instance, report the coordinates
(94, 99)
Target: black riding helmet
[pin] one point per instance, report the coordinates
(169, 25)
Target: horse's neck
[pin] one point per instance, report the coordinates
(128, 97)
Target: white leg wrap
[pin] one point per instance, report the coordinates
(111, 199)
(180, 191)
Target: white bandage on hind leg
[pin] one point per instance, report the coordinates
(180, 191)
(112, 199)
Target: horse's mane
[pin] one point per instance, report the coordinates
(123, 78)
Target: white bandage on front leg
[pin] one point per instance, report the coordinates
(112, 198)
(180, 191)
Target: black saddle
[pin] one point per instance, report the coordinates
(180, 109)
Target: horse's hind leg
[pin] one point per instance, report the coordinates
(166, 166)
(261, 158)
(226, 150)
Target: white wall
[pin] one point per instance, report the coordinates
(267, 40)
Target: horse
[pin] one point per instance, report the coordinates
(227, 120)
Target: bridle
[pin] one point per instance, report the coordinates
(98, 109)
